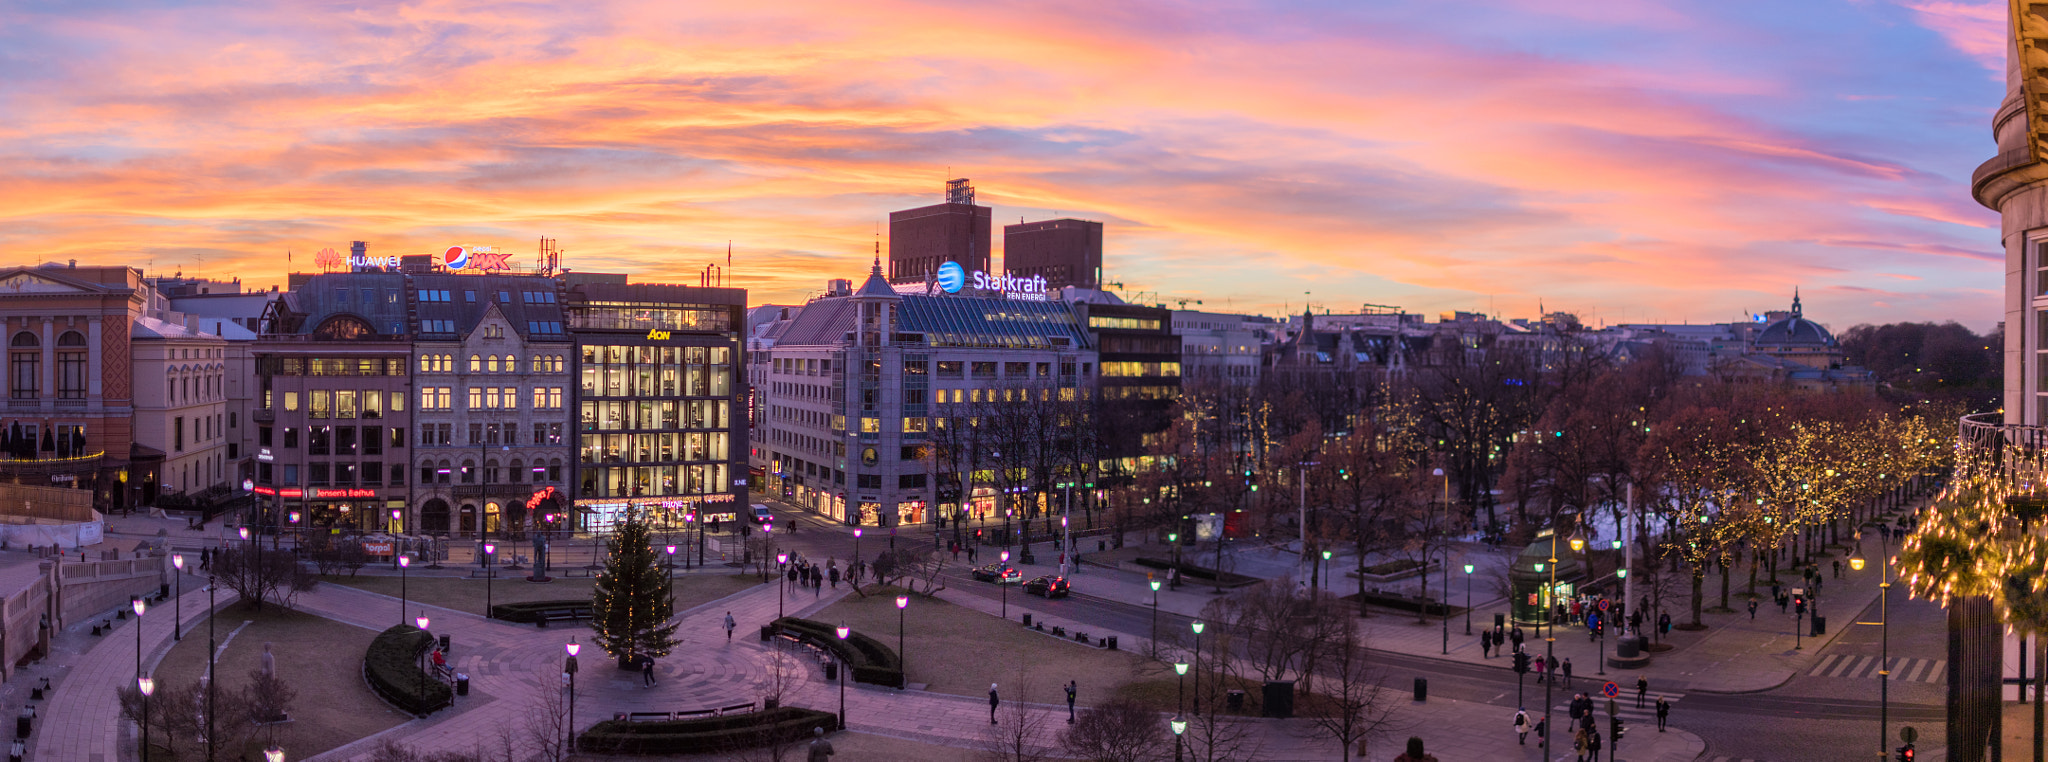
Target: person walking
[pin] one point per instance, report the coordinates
(1642, 689)
(821, 749)
(834, 573)
(1567, 671)
(729, 626)
(1838, 568)
(1072, 688)
(1486, 644)
(1539, 669)
(646, 671)
(1752, 609)
(1521, 727)
(1663, 713)
(993, 702)
(1579, 743)
(1664, 624)
(1593, 744)
(1415, 753)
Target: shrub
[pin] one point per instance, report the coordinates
(528, 613)
(710, 734)
(392, 668)
(871, 662)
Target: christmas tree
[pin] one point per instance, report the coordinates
(630, 605)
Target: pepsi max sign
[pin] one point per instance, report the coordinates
(951, 278)
(475, 259)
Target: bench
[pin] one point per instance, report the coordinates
(689, 715)
(561, 615)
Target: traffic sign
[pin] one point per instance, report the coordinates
(1610, 690)
(1908, 734)
(1603, 604)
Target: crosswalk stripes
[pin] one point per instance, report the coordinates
(1625, 705)
(1866, 667)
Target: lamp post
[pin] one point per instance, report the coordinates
(672, 576)
(902, 602)
(1621, 574)
(178, 602)
(1320, 572)
(1447, 598)
(1179, 726)
(396, 516)
(856, 544)
(1155, 617)
(404, 562)
(569, 670)
(1198, 666)
(148, 688)
(781, 582)
(138, 605)
(1173, 539)
(490, 573)
(1468, 600)
(1180, 696)
(273, 754)
(421, 620)
(1003, 581)
(689, 519)
(295, 530)
(842, 674)
(1884, 618)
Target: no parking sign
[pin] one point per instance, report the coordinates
(1610, 690)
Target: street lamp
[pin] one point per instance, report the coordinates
(1003, 581)
(781, 583)
(273, 754)
(1179, 726)
(295, 530)
(1620, 574)
(395, 516)
(1198, 666)
(420, 620)
(138, 605)
(211, 647)
(856, 544)
(1155, 617)
(404, 562)
(490, 573)
(1468, 600)
(1322, 571)
(148, 688)
(902, 602)
(178, 602)
(569, 671)
(1173, 539)
(672, 576)
(1180, 696)
(841, 653)
(1884, 618)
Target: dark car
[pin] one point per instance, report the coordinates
(997, 573)
(1048, 586)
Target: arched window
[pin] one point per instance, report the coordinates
(26, 339)
(491, 364)
(344, 328)
(68, 339)
(538, 366)
(468, 472)
(71, 366)
(555, 469)
(426, 363)
(476, 363)
(446, 471)
(514, 474)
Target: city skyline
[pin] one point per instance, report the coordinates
(1627, 162)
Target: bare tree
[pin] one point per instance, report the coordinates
(547, 721)
(1018, 733)
(391, 751)
(1120, 730)
(1357, 707)
(267, 699)
(258, 576)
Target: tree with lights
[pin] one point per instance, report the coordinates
(629, 606)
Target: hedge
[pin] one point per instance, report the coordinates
(1190, 571)
(711, 734)
(871, 661)
(391, 665)
(529, 612)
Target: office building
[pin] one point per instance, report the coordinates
(957, 231)
(1065, 252)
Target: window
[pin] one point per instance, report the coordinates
(373, 474)
(320, 404)
(476, 433)
(373, 440)
(316, 474)
(468, 472)
(476, 363)
(344, 474)
(345, 440)
(491, 397)
(71, 366)
(263, 436)
(373, 403)
(910, 481)
(319, 439)
(291, 475)
(178, 433)
(291, 436)
(27, 367)
(397, 475)
(437, 326)
(491, 364)
(476, 398)
(397, 437)
(345, 403)
(870, 481)
(469, 296)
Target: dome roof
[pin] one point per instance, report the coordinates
(1795, 331)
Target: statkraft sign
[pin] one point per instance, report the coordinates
(951, 278)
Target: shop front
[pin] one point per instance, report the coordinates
(1539, 583)
(673, 513)
(339, 510)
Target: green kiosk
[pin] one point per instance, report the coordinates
(1531, 577)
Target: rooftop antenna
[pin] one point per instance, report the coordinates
(728, 262)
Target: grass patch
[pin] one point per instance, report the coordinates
(320, 658)
(1161, 694)
(465, 594)
(959, 651)
(1389, 567)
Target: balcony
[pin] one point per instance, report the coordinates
(2017, 453)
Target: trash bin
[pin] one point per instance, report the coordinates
(1112, 642)
(767, 632)
(1820, 627)
(1235, 700)
(1421, 689)
(831, 670)
(163, 591)
(1278, 700)
(461, 684)
(24, 722)
(1027, 619)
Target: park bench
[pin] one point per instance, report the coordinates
(688, 715)
(569, 614)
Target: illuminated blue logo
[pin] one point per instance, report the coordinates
(952, 277)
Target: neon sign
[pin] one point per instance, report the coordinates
(478, 258)
(951, 278)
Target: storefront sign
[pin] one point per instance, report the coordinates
(656, 334)
(327, 493)
(264, 491)
(265, 456)
(377, 548)
(63, 477)
(248, 485)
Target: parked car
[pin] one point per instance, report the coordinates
(761, 514)
(1048, 586)
(997, 573)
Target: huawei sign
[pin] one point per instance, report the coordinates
(329, 259)
(475, 258)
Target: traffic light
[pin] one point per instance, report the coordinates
(1616, 729)
(1906, 753)
(1799, 604)
(1521, 663)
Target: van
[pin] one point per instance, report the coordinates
(761, 514)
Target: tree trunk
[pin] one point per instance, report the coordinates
(1699, 578)
(1755, 560)
(1724, 583)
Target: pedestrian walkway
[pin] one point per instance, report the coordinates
(1624, 706)
(1903, 670)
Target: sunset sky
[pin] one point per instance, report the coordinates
(1625, 160)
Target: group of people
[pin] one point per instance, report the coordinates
(802, 573)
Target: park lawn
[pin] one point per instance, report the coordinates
(320, 658)
(959, 651)
(465, 594)
(856, 746)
